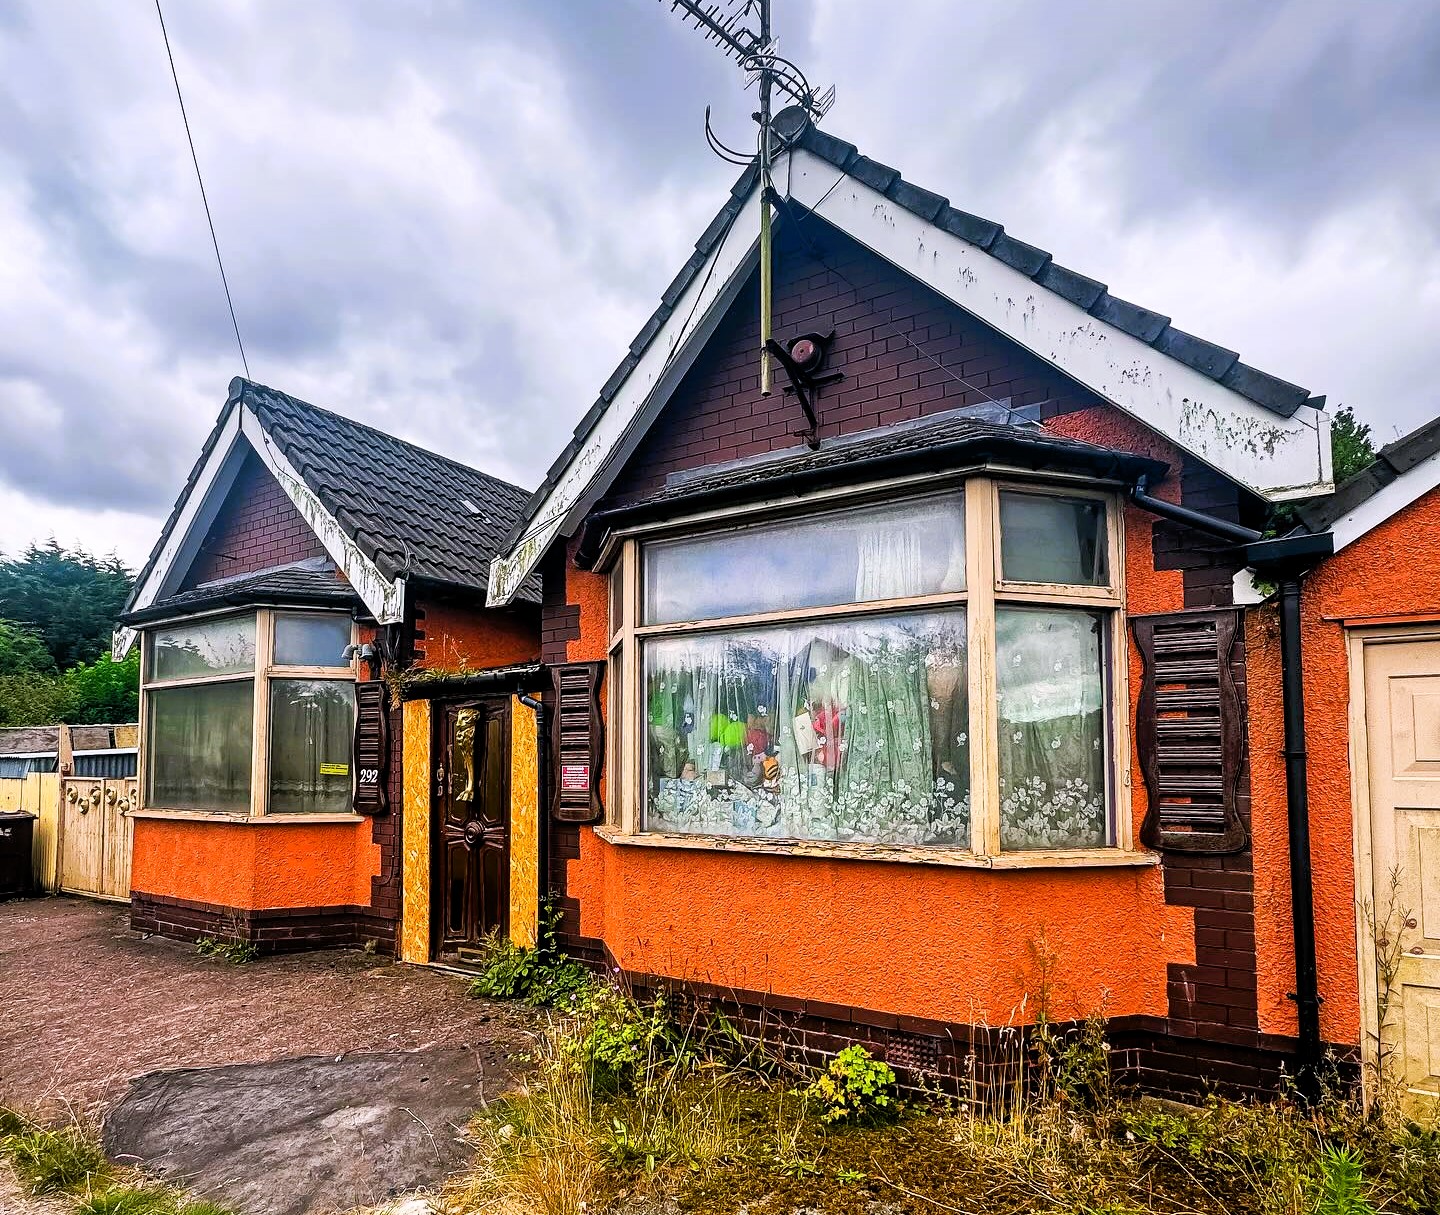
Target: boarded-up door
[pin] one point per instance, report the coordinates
(95, 836)
(1402, 728)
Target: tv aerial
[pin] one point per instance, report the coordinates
(741, 29)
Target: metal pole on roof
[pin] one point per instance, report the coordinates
(766, 249)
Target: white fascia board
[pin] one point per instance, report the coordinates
(1407, 488)
(189, 529)
(664, 361)
(385, 598)
(1278, 458)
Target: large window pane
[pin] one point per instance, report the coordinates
(210, 647)
(312, 728)
(1051, 693)
(311, 641)
(199, 746)
(850, 731)
(850, 556)
(1044, 538)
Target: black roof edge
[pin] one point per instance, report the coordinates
(1391, 461)
(1023, 448)
(167, 609)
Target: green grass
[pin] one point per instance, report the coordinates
(684, 1123)
(66, 1161)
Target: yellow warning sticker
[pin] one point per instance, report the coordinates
(334, 769)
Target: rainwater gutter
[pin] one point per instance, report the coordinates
(1285, 561)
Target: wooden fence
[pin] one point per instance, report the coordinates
(38, 794)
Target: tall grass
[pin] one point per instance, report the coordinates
(66, 1161)
(630, 1103)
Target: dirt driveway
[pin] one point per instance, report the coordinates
(86, 1006)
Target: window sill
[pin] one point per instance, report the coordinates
(246, 820)
(1081, 858)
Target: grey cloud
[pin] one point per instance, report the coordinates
(448, 220)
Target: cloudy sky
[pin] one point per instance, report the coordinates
(447, 219)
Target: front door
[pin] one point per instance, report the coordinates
(471, 798)
(1402, 726)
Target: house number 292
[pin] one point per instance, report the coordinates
(369, 776)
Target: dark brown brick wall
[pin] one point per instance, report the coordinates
(257, 528)
(906, 353)
(270, 930)
(1157, 1055)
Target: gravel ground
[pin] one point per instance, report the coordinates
(86, 1004)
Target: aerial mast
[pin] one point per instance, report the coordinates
(741, 29)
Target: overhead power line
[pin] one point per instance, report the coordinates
(209, 219)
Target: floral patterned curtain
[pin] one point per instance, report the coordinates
(1050, 696)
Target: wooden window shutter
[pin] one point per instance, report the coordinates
(372, 748)
(1190, 731)
(578, 734)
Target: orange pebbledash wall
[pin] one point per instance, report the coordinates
(911, 939)
(1392, 571)
(256, 866)
(463, 635)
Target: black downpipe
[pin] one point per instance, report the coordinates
(1297, 807)
(1287, 560)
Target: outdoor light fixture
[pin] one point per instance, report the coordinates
(366, 651)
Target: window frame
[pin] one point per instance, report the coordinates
(985, 592)
(265, 670)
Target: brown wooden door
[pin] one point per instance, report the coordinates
(471, 798)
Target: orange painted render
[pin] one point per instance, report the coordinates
(913, 939)
(464, 635)
(1394, 570)
(256, 866)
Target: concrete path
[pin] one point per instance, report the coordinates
(304, 1135)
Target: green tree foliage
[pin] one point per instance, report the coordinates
(22, 650)
(57, 612)
(1350, 444)
(102, 691)
(69, 597)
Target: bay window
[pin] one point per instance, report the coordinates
(249, 714)
(935, 672)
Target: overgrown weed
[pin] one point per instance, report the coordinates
(632, 1101)
(66, 1161)
(237, 953)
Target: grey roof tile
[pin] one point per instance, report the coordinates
(1070, 285)
(1391, 461)
(872, 173)
(977, 231)
(1275, 394)
(1027, 259)
(405, 507)
(1205, 357)
(1131, 318)
(913, 198)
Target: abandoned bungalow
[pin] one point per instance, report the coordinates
(950, 683)
(954, 678)
(315, 575)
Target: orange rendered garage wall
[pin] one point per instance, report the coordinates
(1392, 571)
(253, 865)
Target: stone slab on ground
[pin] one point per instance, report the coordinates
(312, 1134)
